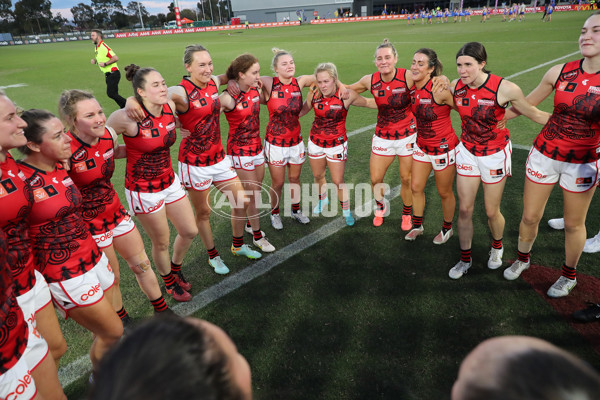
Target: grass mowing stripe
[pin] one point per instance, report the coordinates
(74, 370)
(541, 65)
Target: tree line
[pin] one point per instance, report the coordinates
(34, 17)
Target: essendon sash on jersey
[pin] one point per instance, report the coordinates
(329, 127)
(480, 113)
(395, 119)
(63, 247)
(572, 134)
(203, 147)
(149, 167)
(92, 167)
(244, 125)
(284, 106)
(435, 134)
(16, 200)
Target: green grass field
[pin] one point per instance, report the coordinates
(360, 313)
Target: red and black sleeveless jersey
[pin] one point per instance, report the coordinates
(572, 133)
(480, 113)
(244, 125)
(92, 168)
(149, 167)
(63, 247)
(203, 147)
(329, 127)
(284, 104)
(395, 119)
(435, 134)
(16, 200)
(13, 328)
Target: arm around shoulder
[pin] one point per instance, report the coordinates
(510, 92)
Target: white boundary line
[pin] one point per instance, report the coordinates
(76, 369)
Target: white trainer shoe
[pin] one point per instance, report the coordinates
(442, 237)
(514, 271)
(276, 221)
(562, 287)
(495, 260)
(248, 229)
(264, 244)
(298, 216)
(557, 223)
(460, 269)
(592, 245)
(414, 233)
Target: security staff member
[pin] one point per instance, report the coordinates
(107, 61)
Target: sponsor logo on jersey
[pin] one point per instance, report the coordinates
(108, 154)
(462, 102)
(398, 90)
(44, 193)
(319, 106)
(335, 107)
(280, 95)
(22, 175)
(7, 187)
(381, 93)
(594, 89)
(171, 126)
(496, 172)
(67, 182)
(196, 104)
(296, 94)
(567, 87)
(440, 161)
(444, 146)
(376, 86)
(256, 99)
(214, 96)
(487, 103)
(424, 101)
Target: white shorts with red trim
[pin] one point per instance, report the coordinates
(391, 148)
(278, 156)
(576, 178)
(83, 290)
(105, 239)
(492, 169)
(338, 153)
(37, 348)
(148, 203)
(248, 163)
(439, 162)
(17, 383)
(200, 178)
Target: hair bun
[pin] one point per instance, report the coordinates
(130, 71)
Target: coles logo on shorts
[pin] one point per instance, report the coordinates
(156, 207)
(103, 238)
(91, 293)
(536, 174)
(379, 148)
(21, 388)
(464, 167)
(201, 184)
(419, 153)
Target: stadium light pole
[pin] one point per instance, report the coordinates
(140, 12)
(203, 14)
(211, 13)
(219, 8)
